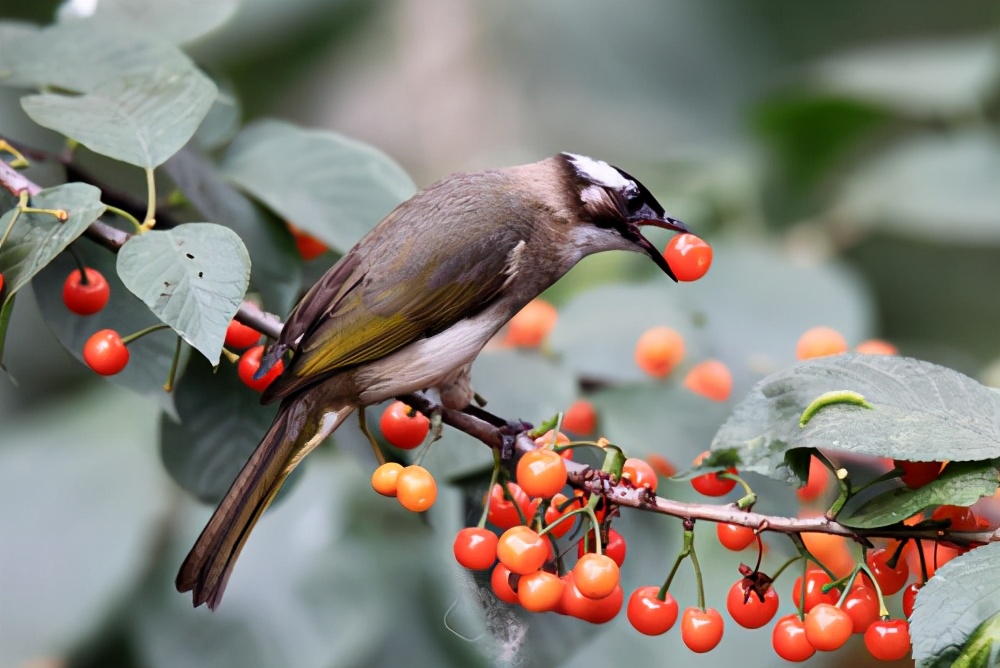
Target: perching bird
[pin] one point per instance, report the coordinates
(410, 307)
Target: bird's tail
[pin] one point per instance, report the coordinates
(297, 429)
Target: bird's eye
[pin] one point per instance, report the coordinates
(633, 198)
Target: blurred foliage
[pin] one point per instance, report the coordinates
(843, 159)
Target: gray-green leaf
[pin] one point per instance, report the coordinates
(140, 120)
(921, 412)
(192, 277)
(332, 187)
(956, 611)
(37, 238)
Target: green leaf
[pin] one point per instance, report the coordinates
(178, 21)
(150, 356)
(921, 412)
(276, 267)
(85, 55)
(922, 78)
(84, 500)
(955, 615)
(961, 484)
(332, 187)
(141, 120)
(192, 277)
(936, 187)
(37, 238)
(221, 422)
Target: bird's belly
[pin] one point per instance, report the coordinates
(425, 363)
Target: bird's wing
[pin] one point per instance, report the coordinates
(352, 317)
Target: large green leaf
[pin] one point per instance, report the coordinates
(192, 277)
(178, 21)
(332, 187)
(84, 55)
(221, 422)
(150, 356)
(961, 484)
(923, 78)
(83, 498)
(276, 271)
(920, 412)
(955, 615)
(141, 120)
(940, 188)
(37, 238)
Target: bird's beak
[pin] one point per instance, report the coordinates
(646, 215)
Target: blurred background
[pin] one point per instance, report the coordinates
(842, 158)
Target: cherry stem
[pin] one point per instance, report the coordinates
(172, 375)
(80, 265)
(493, 480)
(21, 203)
(143, 332)
(122, 213)
(749, 496)
(893, 561)
(150, 220)
(802, 588)
(923, 561)
(882, 610)
(804, 551)
(847, 586)
(689, 545)
(231, 356)
(681, 556)
(507, 495)
(782, 567)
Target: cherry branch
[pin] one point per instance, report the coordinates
(580, 475)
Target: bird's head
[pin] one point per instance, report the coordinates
(612, 208)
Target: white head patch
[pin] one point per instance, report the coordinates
(599, 172)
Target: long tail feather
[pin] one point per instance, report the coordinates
(297, 429)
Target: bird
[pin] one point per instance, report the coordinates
(409, 308)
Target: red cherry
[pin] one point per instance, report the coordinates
(917, 474)
(910, 598)
(747, 609)
(711, 484)
(248, 365)
(789, 639)
(701, 630)
(475, 548)
(648, 614)
(614, 547)
(733, 536)
(85, 298)
(688, 256)
(815, 580)
(105, 353)
(239, 336)
(890, 580)
(861, 605)
(402, 430)
(888, 639)
(828, 627)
